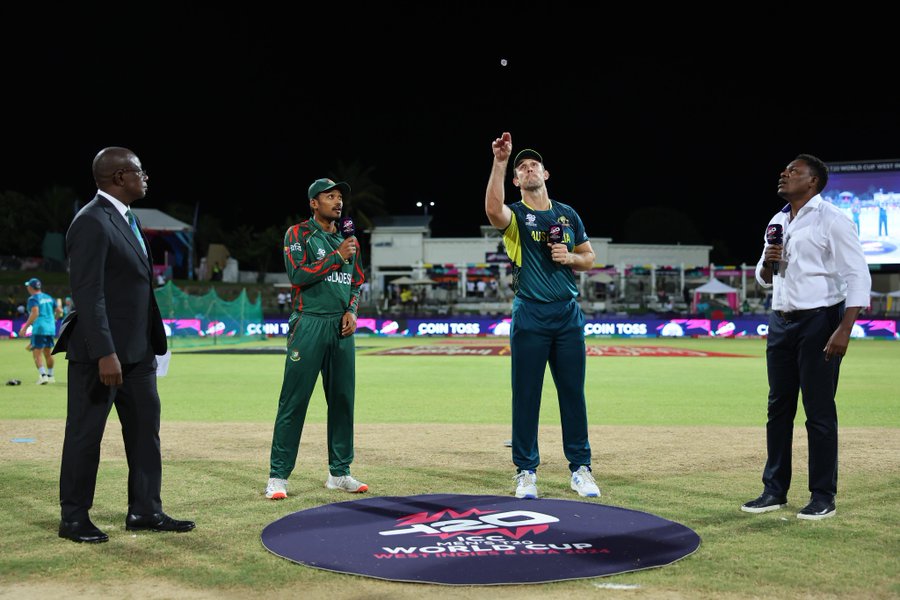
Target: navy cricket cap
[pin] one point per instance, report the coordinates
(34, 282)
(527, 153)
(323, 185)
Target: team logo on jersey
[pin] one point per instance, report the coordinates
(562, 220)
(320, 253)
(295, 355)
(530, 220)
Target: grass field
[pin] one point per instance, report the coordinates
(682, 438)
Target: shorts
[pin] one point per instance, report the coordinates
(41, 341)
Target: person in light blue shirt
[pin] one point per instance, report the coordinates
(42, 321)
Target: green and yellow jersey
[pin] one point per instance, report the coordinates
(535, 275)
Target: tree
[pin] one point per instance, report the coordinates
(21, 229)
(258, 248)
(58, 205)
(366, 197)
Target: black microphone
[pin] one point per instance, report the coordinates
(347, 227)
(775, 237)
(555, 234)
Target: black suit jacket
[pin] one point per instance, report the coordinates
(112, 287)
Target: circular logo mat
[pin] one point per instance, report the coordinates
(457, 539)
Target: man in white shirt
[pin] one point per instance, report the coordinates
(820, 282)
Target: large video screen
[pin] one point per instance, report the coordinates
(869, 192)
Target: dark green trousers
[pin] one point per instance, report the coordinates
(548, 333)
(315, 346)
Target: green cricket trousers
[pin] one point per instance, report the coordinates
(316, 346)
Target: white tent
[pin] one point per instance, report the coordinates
(410, 281)
(601, 278)
(156, 220)
(157, 223)
(714, 286)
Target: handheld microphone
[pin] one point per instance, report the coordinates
(555, 234)
(347, 227)
(775, 237)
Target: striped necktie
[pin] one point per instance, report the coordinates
(137, 232)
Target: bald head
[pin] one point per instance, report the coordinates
(118, 172)
(109, 160)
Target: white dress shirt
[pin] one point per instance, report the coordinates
(822, 262)
(120, 206)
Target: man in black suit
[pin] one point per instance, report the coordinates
(111, 342)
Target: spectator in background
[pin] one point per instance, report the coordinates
(364, 292)
(547, 321)
(283, 298)
(406, 297)
(216, 272)
(41, 319)
(68, 306)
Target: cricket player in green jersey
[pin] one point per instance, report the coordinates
(546, 242)
(325, 274)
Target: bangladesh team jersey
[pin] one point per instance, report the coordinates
(322, 283)
(535, 275)
(45, 324)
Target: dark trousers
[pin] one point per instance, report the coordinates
(89, 403)
(796, 364)
(548, 333)
(316, 346)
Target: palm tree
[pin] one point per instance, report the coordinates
(366, 198)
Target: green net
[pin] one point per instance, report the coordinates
(208, 320)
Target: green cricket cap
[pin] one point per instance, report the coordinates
(323, 185)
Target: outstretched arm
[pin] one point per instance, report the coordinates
(497, 212)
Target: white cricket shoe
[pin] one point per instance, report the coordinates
(346, 483)
(583, 483)
(276, 489)
(42, 380)
(526, 484)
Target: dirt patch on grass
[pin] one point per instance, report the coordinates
(622, 450)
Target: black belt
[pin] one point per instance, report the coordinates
(795, 315)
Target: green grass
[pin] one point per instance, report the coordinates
(228, 403)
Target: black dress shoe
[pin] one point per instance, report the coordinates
(764, 503)
(82, 531)
(817, 509)
(156, 522)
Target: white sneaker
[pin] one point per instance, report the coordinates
(51, 379)
(346, 483)
(277, 489)
(42, 380)
(526, 484)
(583, 483)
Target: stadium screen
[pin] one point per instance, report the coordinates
(869, 192)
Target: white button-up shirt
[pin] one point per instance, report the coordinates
(822, 261)
(120, 206)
